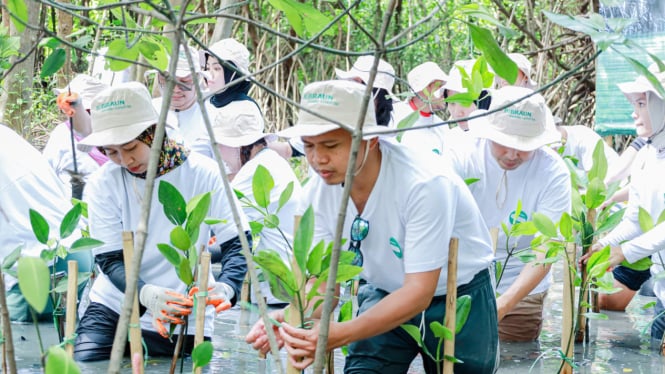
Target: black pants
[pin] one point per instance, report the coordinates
(96, 332)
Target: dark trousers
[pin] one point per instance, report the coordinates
(392, 352)
(96, 332)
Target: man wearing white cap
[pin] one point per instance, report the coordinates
(124, 125)
(74, 168)
(425, 80)
(647, 191)
(513, 164)
(184, 109)
(243, 146)
(402, 214)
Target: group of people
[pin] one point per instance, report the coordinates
(410, 189)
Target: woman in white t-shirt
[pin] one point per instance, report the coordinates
(244, 147)
(123, 126)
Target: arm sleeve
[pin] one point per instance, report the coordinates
(234, 265)
(629, 227)
(646, 244)
(113, 265)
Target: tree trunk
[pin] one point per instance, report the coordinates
(224, 25)
(65, 27)
(15, 100)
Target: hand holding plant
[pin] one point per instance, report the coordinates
(165, 305)
(218, 296)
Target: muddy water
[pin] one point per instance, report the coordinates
(616, 346)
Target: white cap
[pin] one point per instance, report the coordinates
(525, 126)
(385, 74)
(524, 66)
(120, 114)
(424, 74)
(182, 69)
(454, 82)
(230, 49)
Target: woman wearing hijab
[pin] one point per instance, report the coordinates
(123, 127)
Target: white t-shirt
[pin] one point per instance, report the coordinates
(542, 184)
(58, 153)
(282, 174)
(191, 128)
(27, 181)
(114, 199)
(432, 139)
(415, 207)
(580, 144)
(648, 192)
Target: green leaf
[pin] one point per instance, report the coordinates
(53, 63)
(463, 308)
(255, 227)
(346, 272)
(315, 259)
(406, 123)
(441, 331)
(19, 14)
(59, 362)
(185, 271)
(596, 316)
(610, 222)
(279, 289)
(270, 262)
(523, 229)
(271, 221)
(11, 258)
(285, 196)
(526, 257)
(304, 18)
(70, 221)
(85, 244)
(304, 236)
(414, 332)
(33, 281)
(345, 311)
(213, 221)
(180, 239)
(498, 60)
(262, 185)
(170, 254)
(566, 227)
(197, 210)
(595, 193)
(174, 204)
(598, 263)
(81, 278)
(645, 220)
(599, 167)
(644, 71)
(470, 181)
(544, 224)
(202, 354)
(639, 265)
(661, 217)
(39, 226)
(154, 53)
(119, 48)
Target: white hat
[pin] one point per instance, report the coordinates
(524, 66)
(525, 126)
(86, 86)
(642, 84)
(120, 114)
(230, 49)
(385, 74)
(422, 75)
(339, 100)
(182, 69)
(235, 129)
(454, 82)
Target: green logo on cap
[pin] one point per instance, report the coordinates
(519, 114)
(321, 98)
(112, 105)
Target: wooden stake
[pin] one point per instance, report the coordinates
(494, 234)
(568, 307)
(451, 305)
(72, 298)
(201, 301)
(582, 334)
(293, 310)
(135, 344)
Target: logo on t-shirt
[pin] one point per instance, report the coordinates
(398, 251)
(522, 218)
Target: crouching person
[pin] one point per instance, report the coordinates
(401, 218)
(123, 126)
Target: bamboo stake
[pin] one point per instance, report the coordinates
(494, 234)
(8, 359)
(451, 305)
(201, 301)
(293, 310)
(568, 307)
(72, 298)
(135, 345)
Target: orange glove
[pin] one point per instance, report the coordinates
(165, 305)
(219, 296)
(66, 102)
